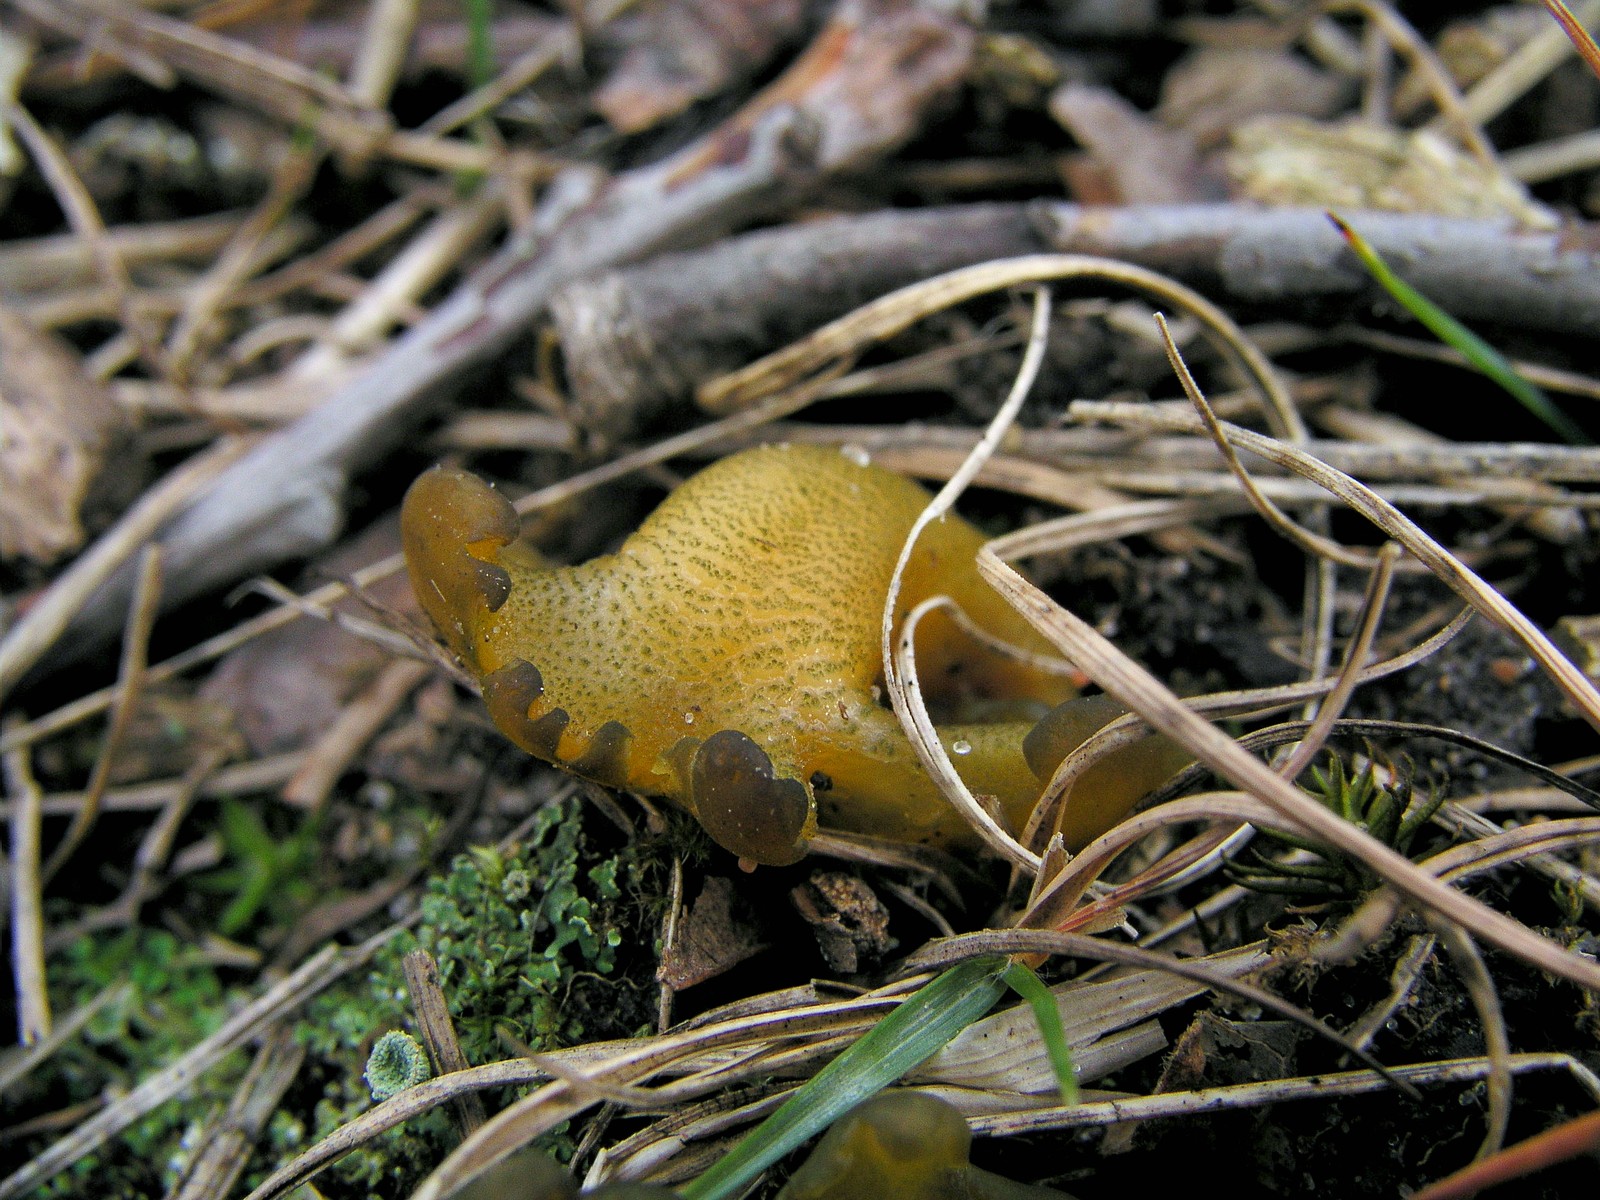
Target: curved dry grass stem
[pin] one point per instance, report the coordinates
(897, 311)
(1460, 578)
(1130, 684)
(899, 661)
(1199, 856)
(1513, 845)
(1462, 823)
(1049, 663)
(590, 1089)
(1056, 897)
(1127, 729)
(1314, 544)
(1045, 821)
(1356, 653)
(906, 697)
(1476, 979)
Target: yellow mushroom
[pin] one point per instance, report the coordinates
(901, 1145)
(727, 655)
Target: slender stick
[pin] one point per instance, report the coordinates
(27, 905)
(130, 683)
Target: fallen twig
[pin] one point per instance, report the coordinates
(860, 89)
(227, 1143)
(438, 1031)
(645, 336)
(26, 642)
(312, 976)
(27, 905)
(1242, 1095)
(130, 684)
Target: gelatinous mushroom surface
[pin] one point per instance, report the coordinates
(901, 1146)
(727, 655)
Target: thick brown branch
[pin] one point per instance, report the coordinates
(643, 337)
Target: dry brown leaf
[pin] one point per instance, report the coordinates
(680, 51)
(1217, 87)
(714, 936)
(1137, 160)
(58, 426)
(288, 687)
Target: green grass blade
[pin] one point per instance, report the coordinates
(1022, 979)
(480, 42)
(904, 1039)
(480, 72)
(1483, 357)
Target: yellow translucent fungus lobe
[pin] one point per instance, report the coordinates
(895, 1146)
(901, 1146)
(728, 654)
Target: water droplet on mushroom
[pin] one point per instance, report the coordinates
(961, 746)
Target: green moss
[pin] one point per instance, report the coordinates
(397, 1062)
(1385, 810)
(509, 932)
(550, 942)
(267, 873)
(166, 997)
(529, 944)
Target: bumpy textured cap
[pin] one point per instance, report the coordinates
(728, 654)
